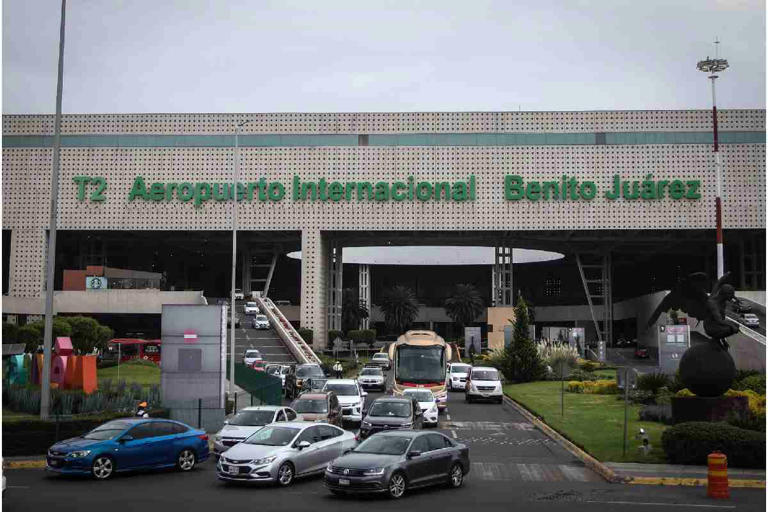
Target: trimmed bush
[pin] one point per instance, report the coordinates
(598, 387)
(652, 382)
(754, 383)
(640, 396)
(306, 334)
(691, 443)
(657, 413)
(333, 334)
(363, 336)
(581, 375)
(589, 366)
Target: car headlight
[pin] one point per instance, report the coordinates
(329, 467)
(265, 460)
(79, 454)
(299, 382)
(433, 408)
(455, 378)
(373, 472)
(406, 425)
(365, 424)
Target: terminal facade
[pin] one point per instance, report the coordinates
(626, 196)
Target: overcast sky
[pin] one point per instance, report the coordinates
(405, 55)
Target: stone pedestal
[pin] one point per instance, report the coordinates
(699, 408)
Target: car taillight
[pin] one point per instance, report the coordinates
(204, 437)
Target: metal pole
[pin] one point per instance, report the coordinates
(235, 177)
(719, 172)
(626, 411)
(562, 389)
(45, 386)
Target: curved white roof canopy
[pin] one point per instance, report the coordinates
(435, 255)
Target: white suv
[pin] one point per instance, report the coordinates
(251, 356)
(484, 382)
(351, 398)
(251, 308)
(456, 376)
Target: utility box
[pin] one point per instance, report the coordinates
(194, 363)
(674, 340)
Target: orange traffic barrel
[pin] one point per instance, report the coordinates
(717, 476)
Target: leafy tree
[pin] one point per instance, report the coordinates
(88, 333)
(352, 310)
(10, 332)
(522, 360)
(32, 333)
(399, 307)
(464, 305)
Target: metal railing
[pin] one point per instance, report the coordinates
(295, 343)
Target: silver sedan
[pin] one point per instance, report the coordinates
(281, 452)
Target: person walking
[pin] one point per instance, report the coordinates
(338, 369)
(141, 410)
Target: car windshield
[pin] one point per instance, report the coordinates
(273, 370)
(252, 418)
(273, 436)
(309, 371)
(343, 389)
(284, 370)
(371, 371)
(261, 318)
(395, 409)
(252, 353)
(250, 304)
(381, 356)
(310, 405)
(384, 445)
(485, 375)
(459, 368)
(107, 431)
(421, 396)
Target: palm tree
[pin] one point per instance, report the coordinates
(399, 307)
(352, 310)
(464, 305)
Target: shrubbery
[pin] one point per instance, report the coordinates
(598, 387)
(333, 334)
(653, 382)
(691, 443)
(362, 336)
(582, 375)
(754, 383)
(306, 334)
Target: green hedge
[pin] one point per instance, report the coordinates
(363, 336)
(34, 437)
(692, 442)
(306, 334)
(333, 334)
(755, 383)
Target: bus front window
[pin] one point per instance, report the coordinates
(420, 365)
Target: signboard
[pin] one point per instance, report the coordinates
(674, 340)
(95, 283)
(472, 338)
(190, 336)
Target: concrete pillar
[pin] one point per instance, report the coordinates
(245, 271)
(335, 284)
(314, 275)
(502, 277)
(364, 292)
(27, 263)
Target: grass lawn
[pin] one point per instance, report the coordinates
(594, 422)
(144, 375)
(9, 415)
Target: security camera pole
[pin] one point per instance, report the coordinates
(714, 66)
(45, 379)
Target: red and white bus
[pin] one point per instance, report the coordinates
(133, 348)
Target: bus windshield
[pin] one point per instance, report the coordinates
(420, 365)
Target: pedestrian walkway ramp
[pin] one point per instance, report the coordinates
(747, 347)
(287, 333)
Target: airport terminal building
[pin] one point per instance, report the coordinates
(625, 198)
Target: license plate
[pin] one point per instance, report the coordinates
(486, 395)
(343, 481)
(233, 470)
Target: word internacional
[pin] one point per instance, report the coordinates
(516, 188)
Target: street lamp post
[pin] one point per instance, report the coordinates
(235, 179)
(714, 66)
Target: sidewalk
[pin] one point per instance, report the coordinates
(668, 474)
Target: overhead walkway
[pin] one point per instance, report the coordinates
(293, 342)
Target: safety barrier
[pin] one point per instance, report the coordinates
(295, 343)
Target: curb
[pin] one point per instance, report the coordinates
(695, 482)
(592, 463)
(24, 464)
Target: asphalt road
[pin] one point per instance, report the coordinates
(514, 466)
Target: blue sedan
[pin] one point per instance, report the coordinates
(129, 444)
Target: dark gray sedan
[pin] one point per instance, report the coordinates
(392, 462)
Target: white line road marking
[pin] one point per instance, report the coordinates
(491, 425)
(574, 473)
(17, 487)
(660, 504)
(502, 471)
(453, 433)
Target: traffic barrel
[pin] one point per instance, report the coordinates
(717, 476)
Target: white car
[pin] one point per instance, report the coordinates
(749, 319)
(351, 398)
(247, 421)
(427, 402)
(372, 377)
(483, 383)
(251, 308)
(239, 294)
(456, 376)
(260, 322)
(251, 356)
(381, 359)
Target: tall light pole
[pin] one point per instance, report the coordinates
(714, 66)
(45, 386)
(235, 179)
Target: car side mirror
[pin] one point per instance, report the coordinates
(302, 444)
(125, 439)
(414, 453)
(364, 393)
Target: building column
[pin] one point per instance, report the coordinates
(27, 262)
(245, 271)
(335, 284)
(364, 292)
(314, 273)
(502, 277)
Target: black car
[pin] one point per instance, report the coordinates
(739, 306)
(391, 414)
(393, 462)
(300, 378)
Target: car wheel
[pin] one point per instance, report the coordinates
(285, 474)
(456, 476)
(186, 460)
(103, 467)
(397, 485)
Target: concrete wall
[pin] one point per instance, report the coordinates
(102, 302)
(498, 318)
